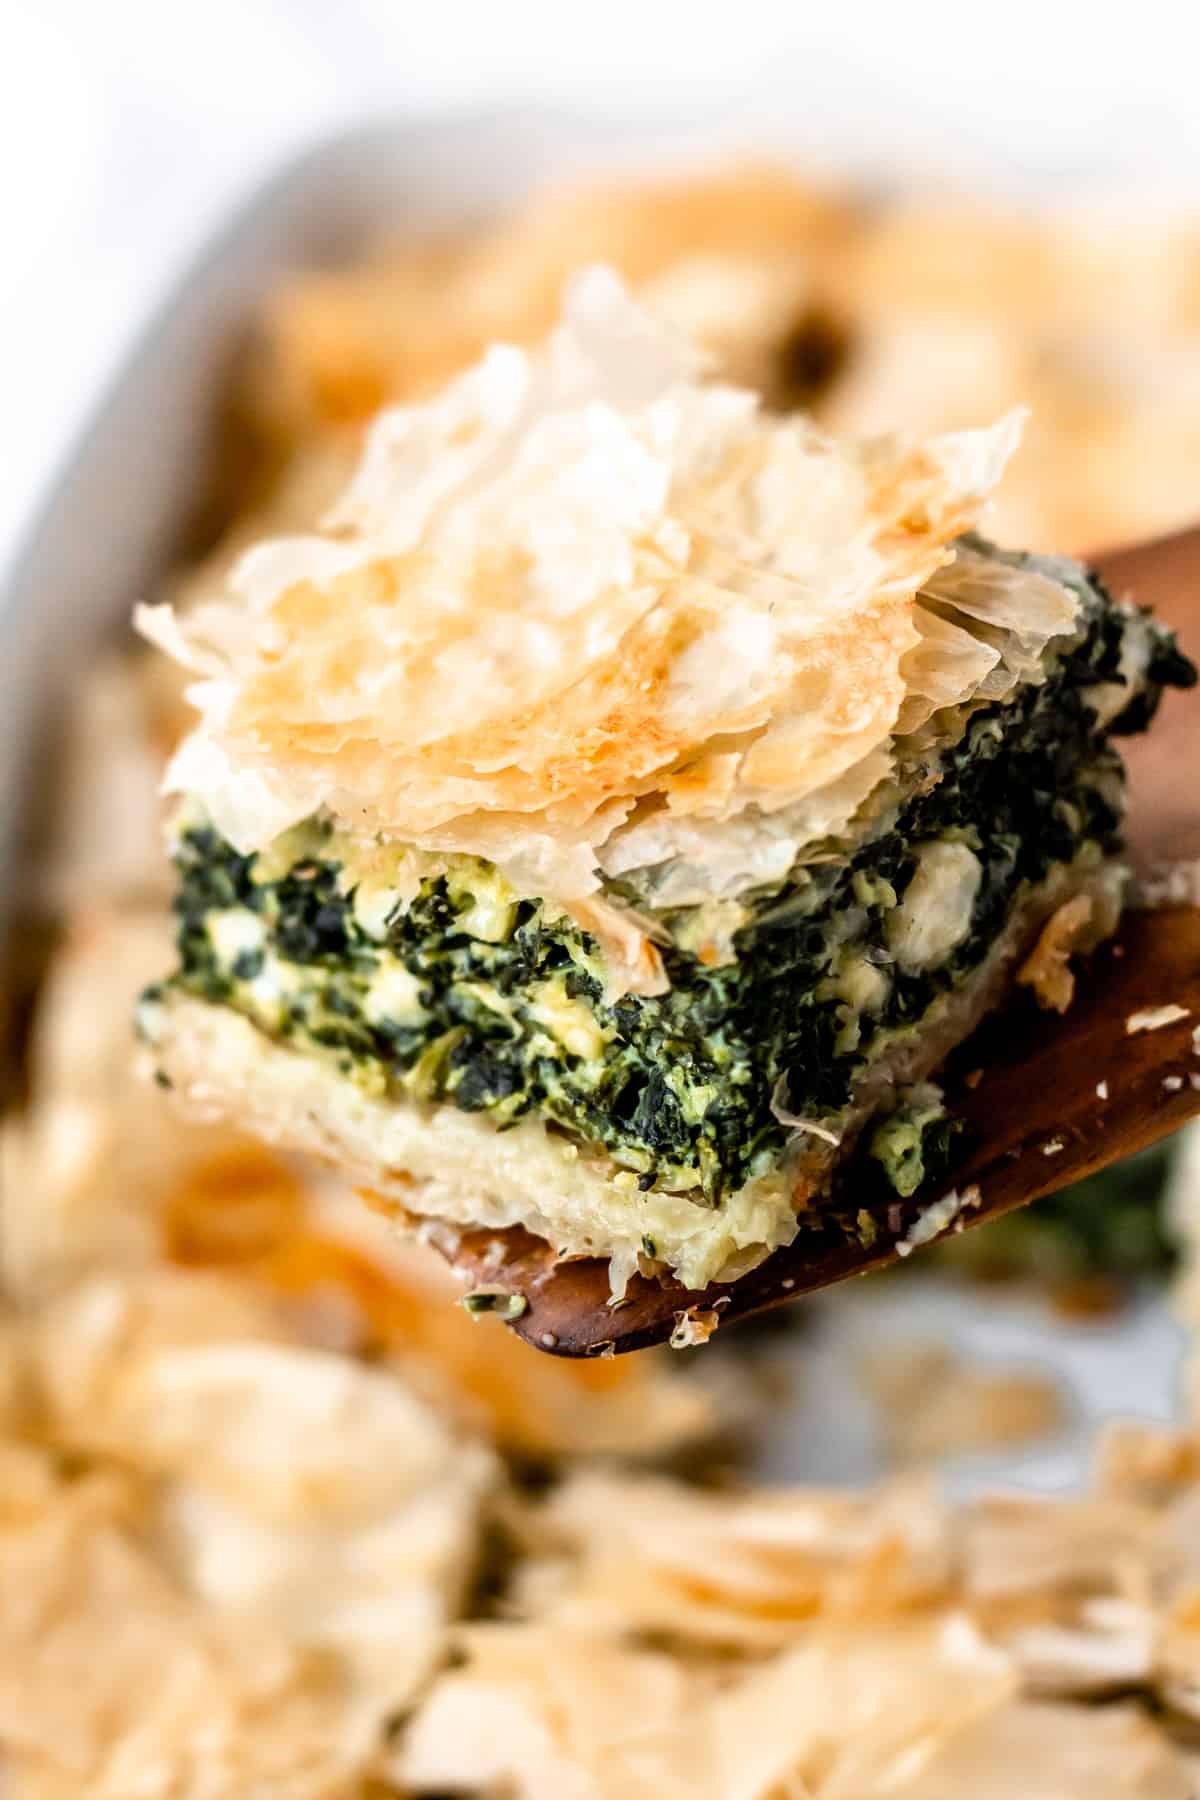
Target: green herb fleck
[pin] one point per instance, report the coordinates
(868, 1231)
(505, 1306)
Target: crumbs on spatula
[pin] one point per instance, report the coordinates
(1154, 1018)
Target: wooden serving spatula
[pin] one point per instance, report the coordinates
(1046, 1099)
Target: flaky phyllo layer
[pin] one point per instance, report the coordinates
(626, 795)
(586, 614)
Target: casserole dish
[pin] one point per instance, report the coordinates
(122, 511)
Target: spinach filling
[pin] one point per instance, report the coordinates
(678, 1089)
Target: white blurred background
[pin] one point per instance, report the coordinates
(127, 127)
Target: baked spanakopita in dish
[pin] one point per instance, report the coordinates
(629, 797)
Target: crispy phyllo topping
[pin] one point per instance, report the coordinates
(585, 588)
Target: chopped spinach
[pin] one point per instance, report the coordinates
(678, 1088)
